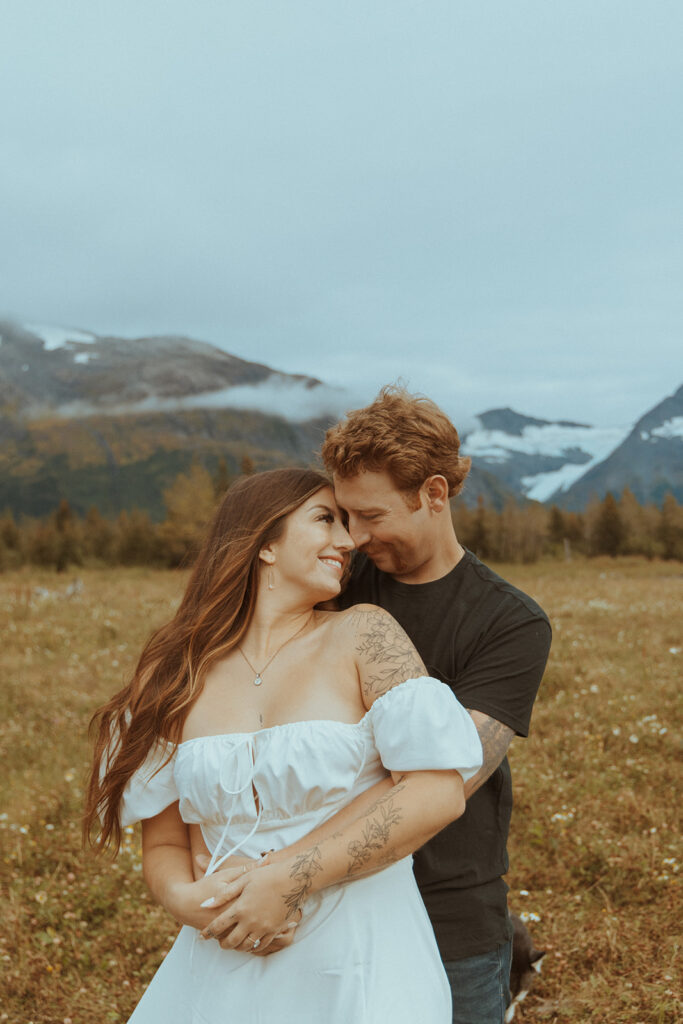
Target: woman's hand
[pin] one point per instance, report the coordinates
(258, 910)
(195, 903)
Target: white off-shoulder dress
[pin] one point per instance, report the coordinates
(365, 951)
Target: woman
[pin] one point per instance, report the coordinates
(258, 716)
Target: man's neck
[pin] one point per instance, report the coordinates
(443, 560)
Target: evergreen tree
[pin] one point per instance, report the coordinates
(608, 533)
(68, 547)
(99, 535)
(221, 479)
(479, 540)
(670, 532)
(9, 532)
(11, 554)
(136, 541)
(556, 528)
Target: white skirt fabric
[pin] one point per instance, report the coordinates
(364, 952)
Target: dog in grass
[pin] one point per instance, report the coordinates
(526, 964)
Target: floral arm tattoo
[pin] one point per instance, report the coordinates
(382, 644)
(376, 828)
(376, 831)
(306, 865)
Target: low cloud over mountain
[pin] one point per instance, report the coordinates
(110, 421)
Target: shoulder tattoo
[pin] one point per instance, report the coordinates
(386, 650)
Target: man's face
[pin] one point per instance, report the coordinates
(383, 524)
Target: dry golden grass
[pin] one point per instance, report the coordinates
(595, 840)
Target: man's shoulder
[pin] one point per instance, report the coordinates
(471, 590)
(480, 579)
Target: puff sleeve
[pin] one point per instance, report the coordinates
(420, 725)
(152, 788)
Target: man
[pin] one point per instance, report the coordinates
(395, 465)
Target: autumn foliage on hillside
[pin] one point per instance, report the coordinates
(518, 533)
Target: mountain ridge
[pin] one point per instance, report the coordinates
(110, 421)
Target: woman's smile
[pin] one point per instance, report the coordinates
(332, 562)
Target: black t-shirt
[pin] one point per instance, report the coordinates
(489, 642)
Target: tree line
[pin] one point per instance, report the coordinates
(519, 532)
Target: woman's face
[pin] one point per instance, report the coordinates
(313, 551)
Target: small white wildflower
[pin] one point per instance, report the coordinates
(633, 738)
(674, 650)
(616, 731)
(49, 828)
(528, 915)
(525, 892)
(594, 688)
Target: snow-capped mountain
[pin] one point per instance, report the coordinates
(111, 421)
(538, 458)
(649, 461)
(569, 463)
(47, 370)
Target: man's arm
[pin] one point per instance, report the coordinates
(495, 740)
(417, 806)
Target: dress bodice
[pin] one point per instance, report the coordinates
(265, 789)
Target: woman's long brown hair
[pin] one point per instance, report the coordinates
(213, 616)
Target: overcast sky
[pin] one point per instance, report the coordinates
(481, 197)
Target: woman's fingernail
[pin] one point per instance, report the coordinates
(208, 903)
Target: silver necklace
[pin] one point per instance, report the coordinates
(259, 675)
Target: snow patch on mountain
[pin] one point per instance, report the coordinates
(669, 429)
(59, 337)
(553, 440)
(563, 452)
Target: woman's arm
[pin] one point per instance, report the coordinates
(167, 870)
(415, 807)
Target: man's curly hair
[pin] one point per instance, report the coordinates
(406, 435)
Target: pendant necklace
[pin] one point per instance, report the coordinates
(259, 675)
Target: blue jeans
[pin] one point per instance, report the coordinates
(481, 986)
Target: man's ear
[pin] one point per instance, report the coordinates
(435, 490)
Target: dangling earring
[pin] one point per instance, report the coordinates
(271, 580)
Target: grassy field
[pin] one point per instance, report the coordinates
(595, 847)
